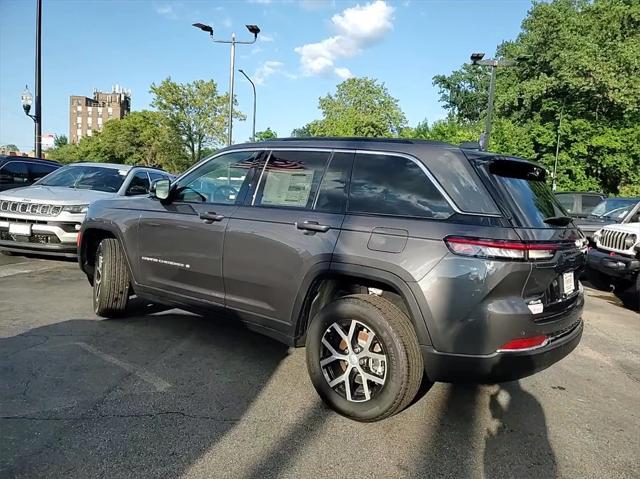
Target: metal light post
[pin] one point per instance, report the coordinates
(233, 42)
(27, 98)
(253, 131)
(477, 59)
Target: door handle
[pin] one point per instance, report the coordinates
(210, 216)
(312, 226)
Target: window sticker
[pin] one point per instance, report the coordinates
(286, 188)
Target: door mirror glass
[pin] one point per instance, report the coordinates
(160, 189)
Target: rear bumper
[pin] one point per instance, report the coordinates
(66, 250)
(614, 265)
(499, 367)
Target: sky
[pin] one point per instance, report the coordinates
(305, 48)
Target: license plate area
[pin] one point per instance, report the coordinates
(568, 283)
(20, 229)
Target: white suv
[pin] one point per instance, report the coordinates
(45, 218)
(616, 260)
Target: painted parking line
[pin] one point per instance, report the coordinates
(158, 383)
(27, 267)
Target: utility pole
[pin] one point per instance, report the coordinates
(477, 59)
(253, 130)
(233, 42)
(554, 185)
(38, 105)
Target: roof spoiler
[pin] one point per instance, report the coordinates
(470, 145)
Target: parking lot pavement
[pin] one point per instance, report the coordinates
(172, 394)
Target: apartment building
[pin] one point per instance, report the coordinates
(87, 115)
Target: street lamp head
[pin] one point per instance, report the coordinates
(241, 71)
(253, 29)
(204, 28)
(27, 99)
(476, 57)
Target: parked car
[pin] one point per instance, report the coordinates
(20, 171)
(391, 260)
(615, 261)
(45, 218)
(609, 211)
(579, 204)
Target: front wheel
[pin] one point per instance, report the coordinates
(110, 280)
(363, 357)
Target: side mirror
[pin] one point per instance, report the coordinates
(160, 189)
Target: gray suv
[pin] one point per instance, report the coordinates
(395, 262)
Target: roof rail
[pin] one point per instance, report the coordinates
(406, 141)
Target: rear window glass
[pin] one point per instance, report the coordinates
(526, 192)
(566, 200)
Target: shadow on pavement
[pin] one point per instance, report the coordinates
(143, 396)
(520, 446)
(516, 443)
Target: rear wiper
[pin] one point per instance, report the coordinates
(558, 220)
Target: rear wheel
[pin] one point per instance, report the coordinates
(599, 280)
(363, 357)
(110, 280)
(631, 295)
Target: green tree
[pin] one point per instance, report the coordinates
(577, 60)
(359, 107)
(10, 147)
(60, 140)
(265, 135)
(196, 111)
(140, 138)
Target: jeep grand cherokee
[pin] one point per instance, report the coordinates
(392, 261)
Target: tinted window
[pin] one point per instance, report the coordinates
(609, 207)
(332, 197)
(589, 202)
(392, 185)
(157, 176)
(220, 180)
(291, 179)
(526, 192)
(39, 170)
(14, 172)
(566, 200)
(139, 184)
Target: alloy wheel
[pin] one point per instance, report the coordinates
(353, 360)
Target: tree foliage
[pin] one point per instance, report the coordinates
(60, 140)
(575, 59)
(359, 107)
(196, 111)
(265, 135)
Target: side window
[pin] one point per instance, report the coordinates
(394, 185)
(221, 180)
(590, 202)
(38, 170)
(566, 201)
(332, 197)
(157, 176)
(139, 184)
(14, 172)
(291, 179)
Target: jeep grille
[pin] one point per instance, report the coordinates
(30, 208)
(611, 239)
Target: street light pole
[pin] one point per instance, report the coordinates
(253, 130)
(477, 59)
(233, 42)
(38, 103)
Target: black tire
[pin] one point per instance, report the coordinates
(631, 295)
(598, 280)
(395, 338)
(110, 280)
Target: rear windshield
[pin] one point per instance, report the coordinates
(525, 191)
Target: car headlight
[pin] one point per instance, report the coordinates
(75, 208)
(596, 235)
(630, 241)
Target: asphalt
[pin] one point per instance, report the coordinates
(170, 394)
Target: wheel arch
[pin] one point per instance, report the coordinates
(324, 285)
(91, 236)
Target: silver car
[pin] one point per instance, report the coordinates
(45, 218)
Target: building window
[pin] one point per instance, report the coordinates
(89, 132)
(79, 120)
(79, 109)
(99, 121)
(99, 110)
(89, 121)
(90, 109)
(79, 132)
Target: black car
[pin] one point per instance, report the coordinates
(18, 171)
(579, 204)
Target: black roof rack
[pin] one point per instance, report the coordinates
(406, 141)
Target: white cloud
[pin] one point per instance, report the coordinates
(265, 38)
(357, 27)
(270, 68)
(167, 10)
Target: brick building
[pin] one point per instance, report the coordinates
(87, 115)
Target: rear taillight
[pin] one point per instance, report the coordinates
(79, 239)
(500, 249)
(521, 344)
